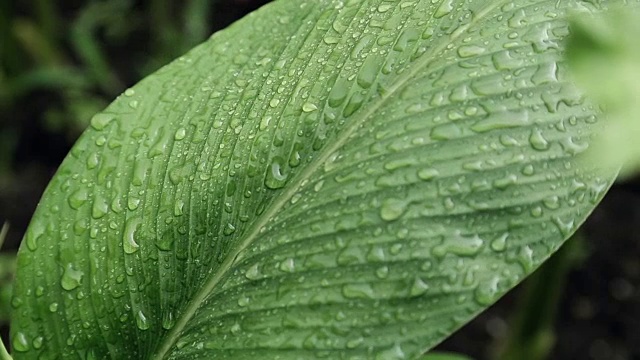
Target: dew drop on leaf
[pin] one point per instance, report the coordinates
(100, 121)
(78, 198)
(71, 278)
(20, 342)
(129, 243)
(141, 321)
(392, 209)
(275, 178)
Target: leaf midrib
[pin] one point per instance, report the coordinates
(280, 201)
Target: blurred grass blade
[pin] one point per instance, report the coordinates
(444, 356)
(604, 56)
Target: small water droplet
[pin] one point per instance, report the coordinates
(53, 307)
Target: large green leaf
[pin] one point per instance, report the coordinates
(338, 179)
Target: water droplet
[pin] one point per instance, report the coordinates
(458, 245)
(502, 120)
(141, 321)
(168, 320)
(505, 182)
(309, 107)
(53, 307)
(384, 8)
(71, 278)
(100, 121)
(566, 227)
(275, 178)
(129, 243)
(467, 51)
(446, 131)
(485, 293)
(537, 140)
(287, 265)
(20, 342)
(394, 353)
(253, 273)
(444, 9)
(358, 291)
(100, 207)
(382, 272)
(393, 209)
(499, 244)
(37, 342)
(428, 174)
(78, 198)
(180, 134)
(419, 287)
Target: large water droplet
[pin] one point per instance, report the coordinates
(100, 121)
(129, 243)
(393, 209)
(20, 342)
(276, 178)
(71, 278)
(141, 321)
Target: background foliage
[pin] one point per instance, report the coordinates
(62, 61)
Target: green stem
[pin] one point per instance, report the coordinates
(532, 330)
(3, 233)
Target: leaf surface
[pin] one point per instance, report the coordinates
(323, 179)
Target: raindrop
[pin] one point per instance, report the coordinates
(180, 134)
(427, 174)
(537, 140)
(78, 198)
(129, 242)
(20, 342)
(419, 287)
(100, 121)
(275, 178)
(393, 209)
(71, 278)
(486, 292)
(499, 244)
(141, 321)
(444, 9)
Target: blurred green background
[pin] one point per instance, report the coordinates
(62, 61)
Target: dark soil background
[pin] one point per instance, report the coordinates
(61, 61)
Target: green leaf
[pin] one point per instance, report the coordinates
(337, 179)
(605, 59)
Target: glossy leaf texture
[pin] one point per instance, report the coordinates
(323, 179)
